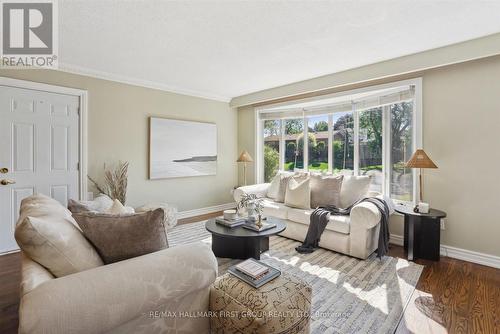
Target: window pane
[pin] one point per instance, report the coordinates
(318, 143)
(401, 186)
(294, 144)
(272, 136)
(343, 143)
(370, 146)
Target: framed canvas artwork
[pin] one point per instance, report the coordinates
(181, 148)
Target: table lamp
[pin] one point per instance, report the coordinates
(245, 157)
(420, 160)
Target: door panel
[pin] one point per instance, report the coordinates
(39, 134)
(59, 154)
(23, 143)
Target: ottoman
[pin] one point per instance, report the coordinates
(280, 306)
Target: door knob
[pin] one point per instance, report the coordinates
(4, 170)
(5, 182)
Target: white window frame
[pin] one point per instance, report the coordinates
(386, 147)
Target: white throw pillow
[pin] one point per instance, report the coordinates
(274, 187)
(278, 189)
(118, 209)
(298, 194)
(101, 203)
(353, 189)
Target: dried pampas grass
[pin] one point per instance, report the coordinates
(115, 182)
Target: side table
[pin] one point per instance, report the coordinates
(422, 235)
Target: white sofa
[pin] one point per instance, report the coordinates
(138, 295)
(355, 235)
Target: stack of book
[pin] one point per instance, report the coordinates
(252, 226)
(230, 222)
(254, 273)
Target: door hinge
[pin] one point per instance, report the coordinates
(77, 166)
(78, 111)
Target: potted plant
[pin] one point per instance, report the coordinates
(253, 206)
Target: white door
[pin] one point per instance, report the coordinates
(39, 152)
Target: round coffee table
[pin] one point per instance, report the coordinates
(240, 243)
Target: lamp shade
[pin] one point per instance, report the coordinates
(420, 159)
(244, 157)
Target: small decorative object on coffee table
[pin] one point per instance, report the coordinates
(240, 243)
(253, 206)
(422, 233)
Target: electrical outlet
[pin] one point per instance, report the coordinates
(443, 227)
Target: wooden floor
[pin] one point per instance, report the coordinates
(452, 296)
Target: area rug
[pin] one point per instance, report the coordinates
(349, 295)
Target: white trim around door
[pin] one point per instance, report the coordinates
(83, 96)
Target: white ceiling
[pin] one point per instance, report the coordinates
(223, 49)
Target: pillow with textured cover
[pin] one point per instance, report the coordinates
(120, 237)
(325, 190)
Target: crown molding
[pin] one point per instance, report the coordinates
(80, 70)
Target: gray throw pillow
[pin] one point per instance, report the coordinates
(325, 190)
(120, 237)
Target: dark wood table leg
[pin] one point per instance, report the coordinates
(411, 237)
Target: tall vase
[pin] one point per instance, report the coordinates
(251, 211)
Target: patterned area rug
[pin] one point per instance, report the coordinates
(349, 295)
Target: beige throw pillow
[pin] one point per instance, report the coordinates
(118, 209)
(353, 189)
(325, 190)
(119, 237)
(47, 233)
(298, 194)
(274, 187)
(280, 196)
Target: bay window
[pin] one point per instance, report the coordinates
(371, 131)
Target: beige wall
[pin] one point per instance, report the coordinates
(118, 130)
(461, 120)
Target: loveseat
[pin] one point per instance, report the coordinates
(355, 235)
(74, 292)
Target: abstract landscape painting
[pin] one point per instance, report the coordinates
(181, 148)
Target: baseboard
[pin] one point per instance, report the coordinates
(458, 253)
(203, 211)
(471, 256)
(10, 252)
(396, 239)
